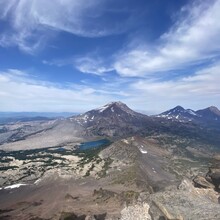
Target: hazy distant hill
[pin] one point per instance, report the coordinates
(6, 117)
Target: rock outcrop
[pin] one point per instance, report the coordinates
(213, 176)
(137, 212)
(201, 182)
(186, 202)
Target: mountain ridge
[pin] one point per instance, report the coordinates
(203, 115)
(114, 120)
(211, 113)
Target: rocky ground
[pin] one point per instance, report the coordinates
(157, 177)
(42, 135)
(30, 165)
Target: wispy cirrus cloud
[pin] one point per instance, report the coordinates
(32, 21)
(89, 64)
(194, 38)
(92, 65)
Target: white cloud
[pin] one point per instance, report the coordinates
(32, 21)
(198, 91)
(191, 40)
(20, 92)
(91, 65)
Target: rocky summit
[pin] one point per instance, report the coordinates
(113, 119)
(111, 163)
(210, 115)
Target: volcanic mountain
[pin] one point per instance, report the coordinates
(211, 113)
(113, 119)
(180, 114)
(207, 115)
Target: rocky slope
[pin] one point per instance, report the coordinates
(185, 202)
(113, 119)
(154, 168)
(132, 178)
(208, 115)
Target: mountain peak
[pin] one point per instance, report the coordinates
(112, 119)
(179, 113)
(211, 112)
(214, 110)
(179, 108)
(112, 105)
(118, 103)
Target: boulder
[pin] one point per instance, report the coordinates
(213, 176)
(201, 182)
(185, 202)
(137, 212)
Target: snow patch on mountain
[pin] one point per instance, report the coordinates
(103, 108)
(15, 186)
(141, 149)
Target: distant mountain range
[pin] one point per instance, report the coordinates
(6, 117)
(114, 120)
(207, 115)
(118, 112)
(36, 114)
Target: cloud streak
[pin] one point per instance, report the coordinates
(32, 21)
(193, 39)
(29, 94)
(88, 64)
(199, 90)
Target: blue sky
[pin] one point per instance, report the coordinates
(71, 55)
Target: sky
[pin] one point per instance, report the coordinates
(73, 56)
